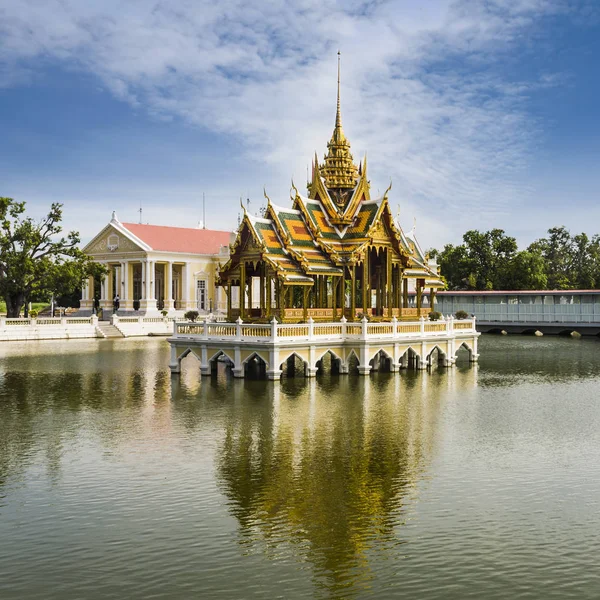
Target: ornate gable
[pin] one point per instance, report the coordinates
(111, 240)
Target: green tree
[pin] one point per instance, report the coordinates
(455, 266)
(35, 261)
(525, 271)
(558, 253)
(490, 254)
(480, 263)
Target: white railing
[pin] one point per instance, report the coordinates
(48, 328)
(116, 319)
(275, 332)
(47, 321)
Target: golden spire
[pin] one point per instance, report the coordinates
(339, 170)
(338, 113)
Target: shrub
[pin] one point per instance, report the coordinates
(164, 312)
(33, 314)
(191, 315)
(435, 315)
(461, 314)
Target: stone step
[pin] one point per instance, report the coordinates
(109, 331)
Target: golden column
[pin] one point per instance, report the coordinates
(365, 282)
(242, 290)
(353, 293)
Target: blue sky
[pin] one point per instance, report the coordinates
(483, 113)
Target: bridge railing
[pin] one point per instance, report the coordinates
(275, 332)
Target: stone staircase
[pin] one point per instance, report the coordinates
(108, 331)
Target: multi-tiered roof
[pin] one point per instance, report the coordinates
(332, 227)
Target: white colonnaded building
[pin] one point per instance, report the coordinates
(155, 267)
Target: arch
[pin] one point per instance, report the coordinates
(337, 363)
(255, 366)
(254, 355)
(213, 362)
(353, 361)
(187, 352)
(442, 356)
(327, 351)
(285, 361)
(177, 358)
(221, 352)
(384, 352)
(381, 361)
(568, 332)
(410, 358)
(467, 347)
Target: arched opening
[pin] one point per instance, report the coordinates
(293, 366)
(220, 361)
(495, 330)
(409, 360)
(352, 363)
(183, 356)
(463, 353)
(570, 333)
(329, 363)
(381, 362)
(437, 357)
(255, 367)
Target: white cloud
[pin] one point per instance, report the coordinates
(454, 140)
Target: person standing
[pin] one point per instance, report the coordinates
(116, 303)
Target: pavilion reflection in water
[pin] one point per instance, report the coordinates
(329, 469)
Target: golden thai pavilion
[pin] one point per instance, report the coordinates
(336, 252)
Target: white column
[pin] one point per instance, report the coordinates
(87, 300)
(143, 290)
(118, 281)
(150, 283)
(152, 280)
(185, 286)
(125, 299)
(168, 285)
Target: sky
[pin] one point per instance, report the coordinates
(482, 113)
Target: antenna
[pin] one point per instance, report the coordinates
(203, 211)
(140, 211)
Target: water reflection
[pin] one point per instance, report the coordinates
(321, 473)
(327, 469)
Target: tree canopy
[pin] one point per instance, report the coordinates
(492, 261)
(35, 260)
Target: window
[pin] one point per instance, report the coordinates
(201, 294)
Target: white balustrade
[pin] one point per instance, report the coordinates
(281, 333)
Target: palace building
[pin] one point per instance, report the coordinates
(332, 278)
(154, 267)
(335, 252)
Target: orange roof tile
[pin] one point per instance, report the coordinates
(180, 239)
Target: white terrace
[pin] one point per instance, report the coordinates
(395, 344)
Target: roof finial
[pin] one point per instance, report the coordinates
(338, 114)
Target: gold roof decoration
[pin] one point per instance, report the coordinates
(329, 230)
(338, 170)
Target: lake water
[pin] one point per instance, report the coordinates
(118, 480)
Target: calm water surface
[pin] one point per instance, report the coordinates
(118, 480)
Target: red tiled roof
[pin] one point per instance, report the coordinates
(180, 239)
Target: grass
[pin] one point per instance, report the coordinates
(34, 306)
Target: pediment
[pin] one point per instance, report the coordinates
(111, 240)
